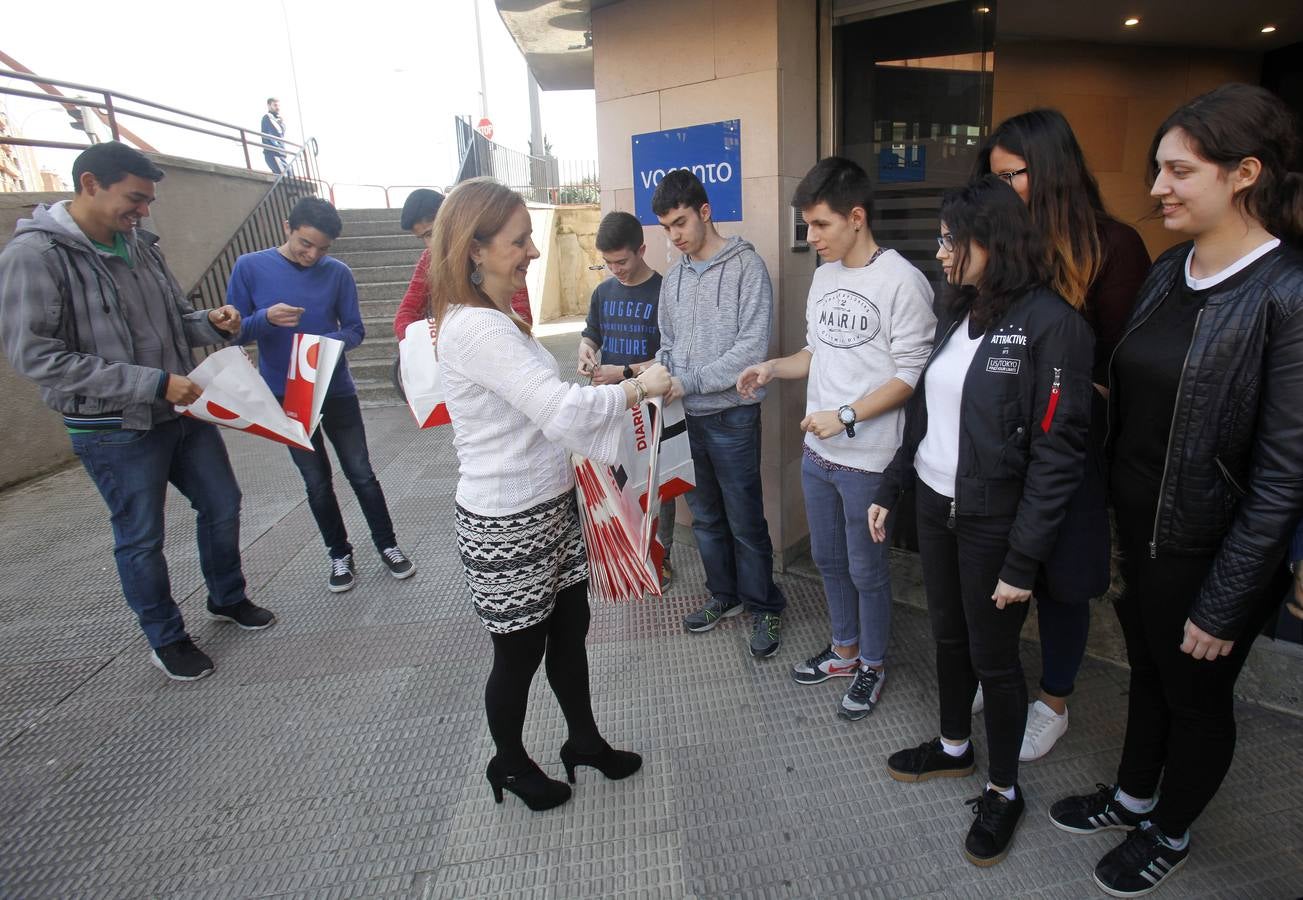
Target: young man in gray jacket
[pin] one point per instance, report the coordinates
(91, 313)
(716, 311)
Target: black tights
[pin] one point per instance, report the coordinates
(559, 639)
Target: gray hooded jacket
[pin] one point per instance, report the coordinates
(715, 324)
(63, 323)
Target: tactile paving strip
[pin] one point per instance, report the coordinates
(342, 753)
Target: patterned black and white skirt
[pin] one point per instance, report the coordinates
(516, 565)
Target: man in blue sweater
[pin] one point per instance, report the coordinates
(297, 288)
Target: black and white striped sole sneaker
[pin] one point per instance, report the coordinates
(1089, 813)
(1139, 864)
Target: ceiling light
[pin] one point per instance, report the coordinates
(986, 9)
(1268, 29)
(1131, 21)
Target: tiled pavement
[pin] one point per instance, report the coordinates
(341, 753)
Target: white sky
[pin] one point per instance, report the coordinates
(380, 80)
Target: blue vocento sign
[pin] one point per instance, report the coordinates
(713, 152)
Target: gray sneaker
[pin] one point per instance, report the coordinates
(764, 634)
(710, 615)
(862, 695)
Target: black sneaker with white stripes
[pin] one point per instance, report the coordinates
(341, 574)
(1140, 864)
(1089, 813)
(398, 564)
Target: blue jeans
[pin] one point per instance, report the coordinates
(728, 511)
(856, 581)
(132, 470)
(341, 421)
(1064, 628)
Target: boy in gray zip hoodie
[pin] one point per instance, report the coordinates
(91, 313)
(716, 311)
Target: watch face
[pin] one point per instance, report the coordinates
(846, 415)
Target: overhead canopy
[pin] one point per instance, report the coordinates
(556, 39)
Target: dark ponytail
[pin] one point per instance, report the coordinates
(1233, 122)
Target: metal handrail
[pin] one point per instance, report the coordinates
(261, 228)
(110, 111)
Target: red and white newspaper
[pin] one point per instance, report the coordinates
(235, 396)
(619, 511)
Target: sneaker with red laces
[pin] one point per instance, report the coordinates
(824, 665)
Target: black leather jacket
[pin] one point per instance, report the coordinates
(1233, 474)
(1023, 420)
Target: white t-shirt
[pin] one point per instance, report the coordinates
(514, 420)
(865, 326)
(937, 457)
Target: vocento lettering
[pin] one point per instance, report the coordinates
(707, 173)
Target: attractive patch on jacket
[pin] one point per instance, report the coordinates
(1005, 337)
(845, 319)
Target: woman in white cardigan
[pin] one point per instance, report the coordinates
(515, 423)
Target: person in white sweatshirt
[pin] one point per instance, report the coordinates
(869, 329)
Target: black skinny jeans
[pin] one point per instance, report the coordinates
(975, 641)
(1180, 737)
(516, 656)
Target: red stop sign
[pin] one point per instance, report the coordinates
(485, 127)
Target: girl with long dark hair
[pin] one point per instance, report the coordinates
(1097, 264)
(1205, 435)
(995, 441)
(515, 423)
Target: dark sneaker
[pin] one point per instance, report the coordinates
(709, 615)
(764, 634)
(341, 573)
(824, 665)
(1139, 864)
(667, 574)
(1089, 813)
(182, 661)
(246, 614)
(399, 565)
(863, 694)
(929, 760)
(992, 831)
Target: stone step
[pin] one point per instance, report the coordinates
(379, 309)
(383, 346)
(384, 241)
(371, 229)
(382, 290)
(375, 214)
(373, 274)
(365, 259)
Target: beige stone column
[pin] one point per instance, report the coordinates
(676, 63)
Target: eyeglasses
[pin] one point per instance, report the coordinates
(1010, 176)
(946, 242)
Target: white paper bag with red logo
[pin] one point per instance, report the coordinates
(313, 359)
(619, 517)
(420, 373)
(235, 396)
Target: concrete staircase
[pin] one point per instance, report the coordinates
(382, 257)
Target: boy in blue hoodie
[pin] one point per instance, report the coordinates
(293, 288)
(716, 312)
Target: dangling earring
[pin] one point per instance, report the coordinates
(477, 277)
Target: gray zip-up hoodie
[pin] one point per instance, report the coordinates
(715, 324)
(63, 323)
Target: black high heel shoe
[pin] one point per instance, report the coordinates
(537, 790)
(614, 764)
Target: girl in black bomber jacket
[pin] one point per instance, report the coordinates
(1205, 431)
(995, 445)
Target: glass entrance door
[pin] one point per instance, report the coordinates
(913, 95)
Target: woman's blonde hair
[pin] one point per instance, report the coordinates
(474, 212)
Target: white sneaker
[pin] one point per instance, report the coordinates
(1044, 728)
(979, 701)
